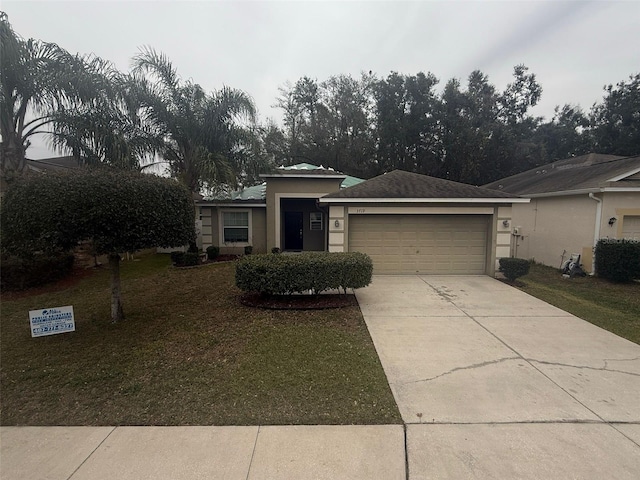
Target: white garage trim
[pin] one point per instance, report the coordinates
(421, 210)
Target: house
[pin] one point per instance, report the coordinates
(574, 203)
(408, 223)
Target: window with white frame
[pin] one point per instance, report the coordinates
(235, 226)
(315, 221)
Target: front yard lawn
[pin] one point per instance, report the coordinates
(188, 353)
(612, 306)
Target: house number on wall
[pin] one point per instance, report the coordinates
(359, 210)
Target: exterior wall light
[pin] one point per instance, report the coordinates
(612, 220)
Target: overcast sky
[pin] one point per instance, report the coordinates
(573, 47)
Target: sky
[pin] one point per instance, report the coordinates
(575, 48)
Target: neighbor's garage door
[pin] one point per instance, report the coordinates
(631, 227)
(427, 244)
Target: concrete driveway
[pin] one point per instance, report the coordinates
(494, 383)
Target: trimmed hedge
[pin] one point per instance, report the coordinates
(281, 274)
(212, 252)
(19, 273)
(618, 260)
(514, 267)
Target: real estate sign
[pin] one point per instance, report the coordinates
(50, 321)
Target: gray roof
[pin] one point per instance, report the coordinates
(401, 184)
(587, 172)
(53, 164)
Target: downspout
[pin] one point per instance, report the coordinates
(596, 233)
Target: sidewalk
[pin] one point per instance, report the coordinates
(175, 453)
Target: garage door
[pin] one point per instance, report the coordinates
(427, 244)
(631, 227)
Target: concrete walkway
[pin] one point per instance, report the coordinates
(230, 453)
(493, 383)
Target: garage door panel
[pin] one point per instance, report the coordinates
(430, 244)
(631, 227)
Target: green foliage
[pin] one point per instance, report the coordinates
(177, 257)
(309, 271)
(514, 267)
(615, 122)
(19, 273)
(275, 250)
(190, 259)
(120, 212)
(618, 260)
(212, 252)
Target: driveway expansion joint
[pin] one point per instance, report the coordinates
(92, 452)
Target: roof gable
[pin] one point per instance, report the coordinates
(399, 184)
(587, 172)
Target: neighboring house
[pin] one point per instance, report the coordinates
(574, 203)
(408, 223)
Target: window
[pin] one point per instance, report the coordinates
(315, 221)
(235, 227)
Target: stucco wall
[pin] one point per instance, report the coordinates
(498, 236)
(551, 226)
(211, 232)
(284, 187)
(618, 205)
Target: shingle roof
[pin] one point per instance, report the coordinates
(592, 171)
(401, 184)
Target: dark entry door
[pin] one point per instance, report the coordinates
(293, 230)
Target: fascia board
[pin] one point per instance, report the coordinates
(231, 205)
(424, 200)
(624, 175)
(277, 175)
(583, 191)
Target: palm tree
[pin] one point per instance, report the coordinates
(37, 80)
(204, 137)
(109, 130)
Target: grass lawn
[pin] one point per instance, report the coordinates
(612, 306)
(188, 353)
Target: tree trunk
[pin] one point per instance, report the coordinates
(116, 299)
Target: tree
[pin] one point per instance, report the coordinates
(120, 212)
(615, 123)
(566, 135)
(38, 79)
(203, 138)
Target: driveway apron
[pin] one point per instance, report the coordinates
(494, 383)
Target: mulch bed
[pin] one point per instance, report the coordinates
(298, 302)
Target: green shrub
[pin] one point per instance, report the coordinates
(618, 260)
(212, 252)
(310, 271)
(275, 250)
(177, 257)
(19, 273)
(514, 267)
(190, 259)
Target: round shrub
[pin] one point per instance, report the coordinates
(514, 267)
(212, 252)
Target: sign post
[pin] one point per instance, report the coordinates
(50, 321)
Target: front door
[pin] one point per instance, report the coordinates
(293, 230)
